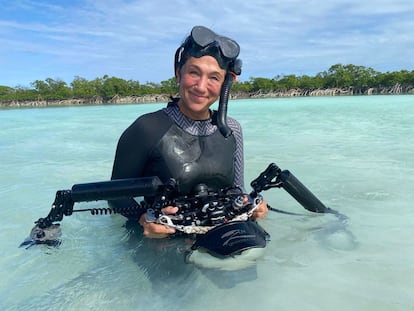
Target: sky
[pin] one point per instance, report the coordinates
(137, 39)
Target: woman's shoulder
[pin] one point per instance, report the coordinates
(151, 118)
(233, 124)
(149, 123)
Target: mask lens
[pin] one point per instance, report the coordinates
(202, 36)
(228, 47)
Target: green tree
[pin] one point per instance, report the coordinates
(261, 84)
(403, 77)
(114, 86)
(134, 88)
(169, 86)
(83, 88)
(6, 92)
(150, 88)
(349, 76)
(52, 89)
(97, 86)
(337, 76)
(244, 87)
(41, 87)
(287, 82)
(310, 83)
(24, 93)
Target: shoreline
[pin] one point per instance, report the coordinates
(160, 98)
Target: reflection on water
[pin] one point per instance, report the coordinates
(166, 263)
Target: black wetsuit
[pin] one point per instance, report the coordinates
(167, 144)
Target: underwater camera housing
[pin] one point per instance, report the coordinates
(227, 230)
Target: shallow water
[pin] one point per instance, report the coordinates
(354, 153)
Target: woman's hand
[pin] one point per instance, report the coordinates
(260, 211)
(155, 230)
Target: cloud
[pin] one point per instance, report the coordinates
(136, 40)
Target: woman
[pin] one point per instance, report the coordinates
(183, 141)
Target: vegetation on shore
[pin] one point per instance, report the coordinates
(337, 80)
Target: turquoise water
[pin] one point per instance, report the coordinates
(355, 153)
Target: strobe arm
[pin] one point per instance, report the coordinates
(274, 177)
(266, 179)
(301, 194)
(63, 205)
(104, 190)
(116, 189)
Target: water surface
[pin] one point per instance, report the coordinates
(354, 153)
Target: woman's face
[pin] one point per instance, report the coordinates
(200, 82)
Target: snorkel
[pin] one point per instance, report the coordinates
(224, 98)
(203, 41)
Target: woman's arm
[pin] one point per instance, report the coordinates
(238, 154)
